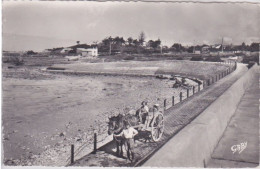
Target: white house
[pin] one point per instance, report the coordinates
(90, 52)
(197, 52)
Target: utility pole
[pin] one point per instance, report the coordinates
(109, 48)
(193, 46)
(222, 44)
(179, 46)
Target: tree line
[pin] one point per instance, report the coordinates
(117, 45)
(114, 45)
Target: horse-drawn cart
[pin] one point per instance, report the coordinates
(152, 129)
(155, 128)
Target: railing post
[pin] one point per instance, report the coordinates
(188, 93)
(164, 103)
(95, 143)
(72, 154)
(180, 96)
(193, 90)
(172, 100)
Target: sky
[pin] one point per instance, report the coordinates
(40, 25)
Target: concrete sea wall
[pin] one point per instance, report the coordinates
(193, 146)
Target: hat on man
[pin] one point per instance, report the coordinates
(144, 103)
(156, 105)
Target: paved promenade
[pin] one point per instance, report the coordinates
(239, 145)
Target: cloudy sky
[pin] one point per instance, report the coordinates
(41, 25)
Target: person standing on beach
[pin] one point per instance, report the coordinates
(128, 134)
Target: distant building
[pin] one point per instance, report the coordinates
(205, 49)
(89, 52)
(66, 50)
(197, 51)
(47, 51)
(217, 46)
(56, 50)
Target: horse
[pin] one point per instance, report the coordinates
(116, 126)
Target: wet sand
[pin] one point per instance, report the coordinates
(44, 113)
(38, 114)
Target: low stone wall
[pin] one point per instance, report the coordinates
(193, 146)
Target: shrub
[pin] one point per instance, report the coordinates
(179, 58)
(239, 54)
(213, 59)
(15, 60)
(128, 57)
(196, 58)
(30, 52)
(250, 64)
(252, 58)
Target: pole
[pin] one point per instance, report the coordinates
(172, 100)
(72, 154)
(95, 143)
(109, 48)
(188, 93)
(222, 45)
(164, 104)
(193, 90)
(180, 96)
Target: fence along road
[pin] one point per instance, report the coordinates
(176, 118)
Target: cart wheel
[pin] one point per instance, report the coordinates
(157, 127)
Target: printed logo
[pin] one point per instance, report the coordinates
(239, 147)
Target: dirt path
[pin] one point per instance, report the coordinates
(175, 119)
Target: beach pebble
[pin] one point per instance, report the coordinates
(62, 134)
(6, 138)
(9, 162)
